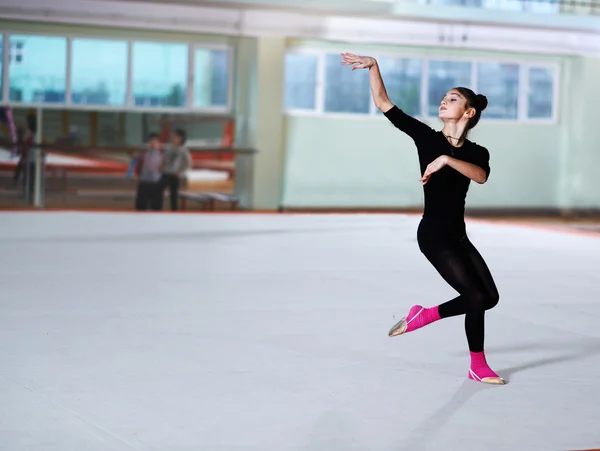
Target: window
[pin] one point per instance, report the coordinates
(540, 93)
(98, 72)
(37, 69)
(443, 76)
(500, 84)
(211, 78)
(159, 74)
(318, 82)
(346, 91)
(300, 81)
(402, 78)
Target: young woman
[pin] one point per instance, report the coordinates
(449, 161)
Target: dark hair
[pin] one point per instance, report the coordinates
(477, 101)
(182, 134)
(152, 135)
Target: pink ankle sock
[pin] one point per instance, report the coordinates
(479, 367)
(419, 316)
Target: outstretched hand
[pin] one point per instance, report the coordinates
(432, 167)
(357, 62)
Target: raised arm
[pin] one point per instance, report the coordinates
(380, 97)
(402, 121)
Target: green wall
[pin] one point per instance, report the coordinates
(259, 120)
(369, 163)
(581, 158)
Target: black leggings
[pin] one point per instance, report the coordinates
(461, 265)
(149, 194)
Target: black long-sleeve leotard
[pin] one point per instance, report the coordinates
(446, 190)
(442, 235)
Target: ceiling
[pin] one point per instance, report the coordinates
(349, 21)
(378, 7)
(578, 14)
(371, 7)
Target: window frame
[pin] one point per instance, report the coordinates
(556, 73)
(130, 73)
(520, 88)
(129, 104)
(524, 66)
(319, 85)
(230, 76)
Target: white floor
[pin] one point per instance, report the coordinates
(269, 333)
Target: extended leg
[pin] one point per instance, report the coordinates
(462, 267)
(465, 270)
(454, 268)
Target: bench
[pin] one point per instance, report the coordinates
(208, 200)
(100, 194)
(200, 198)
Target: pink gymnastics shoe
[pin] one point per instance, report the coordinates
(418, 316)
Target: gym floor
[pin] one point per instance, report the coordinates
(216, 332)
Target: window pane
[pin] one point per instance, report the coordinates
(98, 72)
(346, 91)
(300, 81)
(500, 84)
(37, 69)
(541, 92)
(211, 78)
(159, 74)
(443, 76)
(402, 78)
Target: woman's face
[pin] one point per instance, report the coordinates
(453, 106)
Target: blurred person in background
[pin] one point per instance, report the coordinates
(177, 161)
(26, 138)
(148, 174)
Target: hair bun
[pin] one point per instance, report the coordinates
(481, 102)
